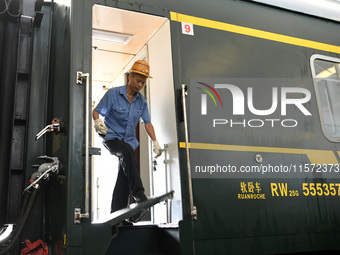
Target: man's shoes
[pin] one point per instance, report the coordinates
(124, 223)
(140, 197)
(140, 215)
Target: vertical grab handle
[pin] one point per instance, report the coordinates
(193, 211)
(78, 215)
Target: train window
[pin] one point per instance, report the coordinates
(326, 76)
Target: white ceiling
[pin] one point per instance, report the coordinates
(109, 59)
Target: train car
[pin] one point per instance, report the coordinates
(244, 100)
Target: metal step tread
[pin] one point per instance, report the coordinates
(125, 213)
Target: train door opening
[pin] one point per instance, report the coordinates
(119, 38)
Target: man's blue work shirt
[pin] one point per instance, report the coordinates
(121, 117)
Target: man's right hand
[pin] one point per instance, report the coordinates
(100, 127)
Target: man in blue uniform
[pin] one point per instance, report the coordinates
(122, 107)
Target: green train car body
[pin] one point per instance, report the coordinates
(262, 116)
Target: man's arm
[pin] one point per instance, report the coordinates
(150, 131)
(95, 115)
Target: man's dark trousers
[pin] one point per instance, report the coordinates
(128, 173)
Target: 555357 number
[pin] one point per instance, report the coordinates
(321, 189)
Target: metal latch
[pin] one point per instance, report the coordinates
(78, 215)
(94, 151)
(54, 127)
(44, 171)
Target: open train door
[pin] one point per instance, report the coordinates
(97, 64)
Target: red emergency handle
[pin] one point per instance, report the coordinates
(34, 249)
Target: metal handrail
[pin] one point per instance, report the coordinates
(87, 145)
(80, 76)
(193, 211)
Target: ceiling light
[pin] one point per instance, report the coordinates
(113, 37)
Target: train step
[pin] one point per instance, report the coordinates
(145, 240)
(126, 213)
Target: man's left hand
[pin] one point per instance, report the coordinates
(157, 149)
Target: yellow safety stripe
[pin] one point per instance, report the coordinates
(315, 156)
(253, 32)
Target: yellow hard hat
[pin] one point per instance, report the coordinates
(141, 67)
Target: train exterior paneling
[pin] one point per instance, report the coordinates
(264, 176)
(283, 222)
(242, 213)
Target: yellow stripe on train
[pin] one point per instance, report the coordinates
(253, 32)
(315, 156)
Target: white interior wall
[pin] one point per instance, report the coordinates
(144, 141)
(163, 118)
(104, 175)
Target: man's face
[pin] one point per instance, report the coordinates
(137, 82)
